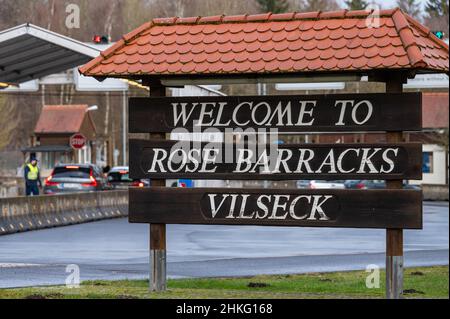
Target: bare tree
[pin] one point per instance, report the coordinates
(274, 6)
(230, 7)
(109, 18)
(51, 14)
(356, 4)
(179, 8)
(137, 12)
(316, 5)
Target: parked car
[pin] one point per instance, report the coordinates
(411, 186)
(365, 184)
(326, 184)
(119, 178)
(302, 184)
(69, 178)
(374, 184)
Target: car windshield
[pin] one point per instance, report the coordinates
(72, 171)
(119, 177)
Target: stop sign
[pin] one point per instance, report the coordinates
(77, 141)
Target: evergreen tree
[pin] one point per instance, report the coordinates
(436, 8)
(411, 7)
(274, 6)
(356, 4)
(436, 15)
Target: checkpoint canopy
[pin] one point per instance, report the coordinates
(28, 52)
(287, 47)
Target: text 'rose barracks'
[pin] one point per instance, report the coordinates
(210, 160)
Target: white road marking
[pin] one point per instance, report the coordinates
(17, 265)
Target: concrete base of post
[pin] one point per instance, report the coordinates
(394, 277)
(158, 270)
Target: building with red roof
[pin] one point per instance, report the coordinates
(435, 110)
(64, 119)
(55, 126)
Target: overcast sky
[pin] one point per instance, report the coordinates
(388, 3)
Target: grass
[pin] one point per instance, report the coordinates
(422, 282)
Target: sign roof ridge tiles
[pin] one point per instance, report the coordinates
(422, 51)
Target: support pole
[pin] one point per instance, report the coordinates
(124, 127)
(394, 263)
(394, 237)
(158, 261)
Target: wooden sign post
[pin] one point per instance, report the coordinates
(158, 253)
(393, 209)
(269, 48)
(394, 236)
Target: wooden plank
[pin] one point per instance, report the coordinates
(288, 207)
(291, 113)
(158, 159)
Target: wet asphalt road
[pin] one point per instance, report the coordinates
(115, 249)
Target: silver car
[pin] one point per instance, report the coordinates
(326, 184)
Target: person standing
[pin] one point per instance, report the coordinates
(32, 177)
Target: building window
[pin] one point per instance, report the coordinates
(427, 162)
(47, 160)
(50, 159)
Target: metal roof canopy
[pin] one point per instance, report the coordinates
(29, 52)
(47, 148)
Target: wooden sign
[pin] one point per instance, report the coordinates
(181, 159)
(310, 208)
(293, 113)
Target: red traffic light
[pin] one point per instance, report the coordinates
(100, 39)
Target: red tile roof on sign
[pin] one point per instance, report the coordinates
(435, 110)
(64, 119)
(273, 43)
